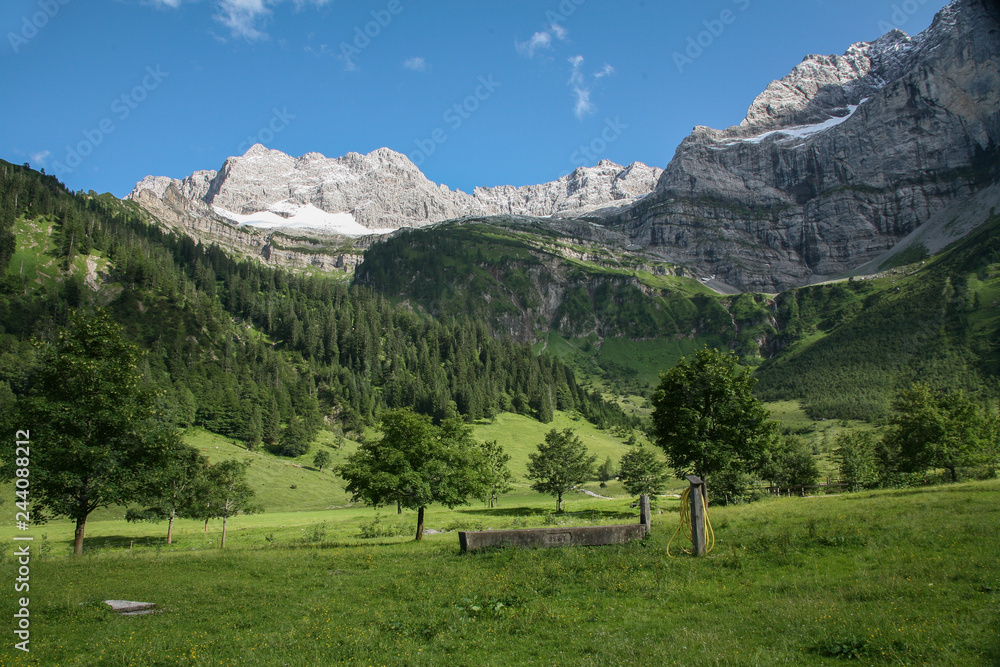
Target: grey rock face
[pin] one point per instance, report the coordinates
(837, 161)
(384, 190)
(583, 190)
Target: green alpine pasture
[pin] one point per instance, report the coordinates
(888, 577)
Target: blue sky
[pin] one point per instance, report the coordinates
(104, 92)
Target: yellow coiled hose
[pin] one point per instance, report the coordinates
(686, 526)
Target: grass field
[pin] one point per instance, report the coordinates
(892, 577)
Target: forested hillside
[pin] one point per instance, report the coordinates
(848, 348)
(244, 350)
(249, 351)
(844, 349)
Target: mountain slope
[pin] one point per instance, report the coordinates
(241, 348)
(837, 161)
(843, 349)
(849, 347)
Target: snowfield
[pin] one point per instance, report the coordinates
(286, 215)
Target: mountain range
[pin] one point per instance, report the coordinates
(843, 240)
(833, 166)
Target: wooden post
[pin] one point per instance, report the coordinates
(644, 513)
(697, 515)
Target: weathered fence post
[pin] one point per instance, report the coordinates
(644, 513)
(697, 515)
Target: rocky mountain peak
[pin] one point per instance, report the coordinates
(257, 150)
(838, 160)
(385, 190)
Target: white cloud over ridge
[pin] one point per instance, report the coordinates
(541, 41)
(244, 18)
(417, 64)
(579, 82)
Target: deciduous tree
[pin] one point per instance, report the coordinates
(642, 472)
(560, 464)
(497, 477)
(322, 459)
(415, 464)
(227, 493)
(707, 419)
(932, 430)
(98, 439)
(173, 490)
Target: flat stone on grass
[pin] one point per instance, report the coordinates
(129, 608)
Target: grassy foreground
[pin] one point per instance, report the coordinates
(895, 577)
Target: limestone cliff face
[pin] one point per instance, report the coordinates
(196, 219)
(384, 190)
(837, 161)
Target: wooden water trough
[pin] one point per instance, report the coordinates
(471, 540)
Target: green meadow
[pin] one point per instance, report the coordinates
(904, 577)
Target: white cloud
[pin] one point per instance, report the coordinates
(578, 82)
(244, 18)
(583, 107)
(577, 64)
(38, 159)
(540, 40)
(417, 64)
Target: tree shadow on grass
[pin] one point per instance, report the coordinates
(119, 542)
(993, 658)
(911, 491)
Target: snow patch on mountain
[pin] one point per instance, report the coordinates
(287, 215)
(800, 131)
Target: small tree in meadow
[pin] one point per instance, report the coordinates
(856, 456)
(938, 430)
(322, 459)
(415, 464)
(643, 472)
(607, 471)
(560, 464)
(226, 493)
(174, 491)
(791, 463)
(497, 477)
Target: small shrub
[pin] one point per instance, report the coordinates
(551, 520)
(379, 528)
(318, 533)
(476, 607)
(848, 648)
